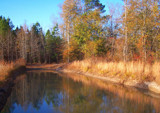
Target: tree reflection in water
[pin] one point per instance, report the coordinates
(50, 92)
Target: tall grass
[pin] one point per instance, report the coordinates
(6, 67)
(129, 70)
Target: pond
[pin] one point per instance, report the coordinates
(50, 92)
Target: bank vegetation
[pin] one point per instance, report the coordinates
(139, 71)
(6, 68)
(126, 37)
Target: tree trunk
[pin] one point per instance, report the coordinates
(125, 49)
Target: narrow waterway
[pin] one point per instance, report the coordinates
(49, 92)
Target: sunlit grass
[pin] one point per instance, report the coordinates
(6, 67)
(130, 70)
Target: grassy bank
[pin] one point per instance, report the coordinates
(134, 74)
(8, 73)
(7, 67)
(126, 71)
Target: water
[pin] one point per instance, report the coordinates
(48, 92)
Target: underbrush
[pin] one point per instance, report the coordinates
(130, 70)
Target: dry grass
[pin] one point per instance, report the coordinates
(6, 67)
(130, 70)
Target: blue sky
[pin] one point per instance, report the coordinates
(46, 12)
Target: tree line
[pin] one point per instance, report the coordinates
(32, 45)
(132, 35)
(88, 31)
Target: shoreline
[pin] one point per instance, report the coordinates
(7, 85)
(151, 86)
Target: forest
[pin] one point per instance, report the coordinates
(113, 44)
(130, 33)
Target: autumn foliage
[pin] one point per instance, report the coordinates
(133, 34)
(123, 33)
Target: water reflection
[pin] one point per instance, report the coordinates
(47, 92)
